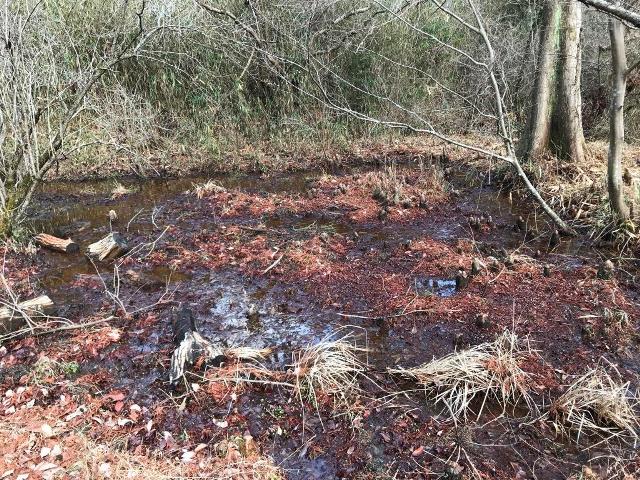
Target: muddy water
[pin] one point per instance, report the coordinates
(235, 310)
(80, 209)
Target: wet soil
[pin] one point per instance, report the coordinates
(283, 261)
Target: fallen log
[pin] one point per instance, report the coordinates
(110, 247)
(12, 317)
(58, 244)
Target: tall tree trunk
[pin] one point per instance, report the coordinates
(555, 119)
(616, 119)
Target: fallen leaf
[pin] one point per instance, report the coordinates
(188, 456)
(56, 451)
(47, 431)
(105, 469)
(118, 406)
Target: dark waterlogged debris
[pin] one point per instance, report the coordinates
(477, 267)
(462, 279)
(606, 270)
(482, 320)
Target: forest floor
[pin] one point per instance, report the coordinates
(285, 261)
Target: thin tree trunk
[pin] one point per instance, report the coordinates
(616, 119)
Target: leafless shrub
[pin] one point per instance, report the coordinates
(51, 63)
(489, 371)
(597, 404)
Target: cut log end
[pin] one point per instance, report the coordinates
(110, 247)
(58, 244)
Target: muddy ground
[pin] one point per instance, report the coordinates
(315, 254)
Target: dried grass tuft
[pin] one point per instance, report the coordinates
(487, 371)
(247, 353)
(331, 367)
(210, 187)
(597, 404)
(118, 190)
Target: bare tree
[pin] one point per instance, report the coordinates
(47, 79)
(352, 25)
(555, 120)
(620, 72)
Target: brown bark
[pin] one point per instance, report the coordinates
(555, 118)
(57, 244)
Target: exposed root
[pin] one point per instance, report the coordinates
(487, 371)
(595, 404)
(330, 367)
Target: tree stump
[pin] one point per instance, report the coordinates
(58, 244)
(190, 345)
(110, 247)
(12, 318)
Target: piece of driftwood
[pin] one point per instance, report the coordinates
(13, 317)
(58, 244)
(110, 247)
(190, 345)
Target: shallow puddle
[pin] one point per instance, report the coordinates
(442, 287)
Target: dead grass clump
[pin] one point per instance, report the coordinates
(410, 187)
(207, 188)
(490, 371)
(119, 190)
(247, 353)
(596, 404)
(330, 367)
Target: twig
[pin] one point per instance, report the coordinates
(273, 265)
